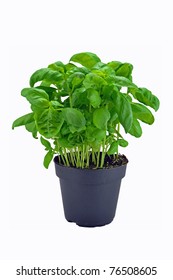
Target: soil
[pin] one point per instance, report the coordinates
(111, 161)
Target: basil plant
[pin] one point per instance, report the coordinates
(82, 109)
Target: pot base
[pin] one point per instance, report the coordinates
(88, 225)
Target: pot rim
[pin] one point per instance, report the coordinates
(88, 169)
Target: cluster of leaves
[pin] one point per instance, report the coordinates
(78, 109)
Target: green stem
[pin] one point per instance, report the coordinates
(98, 159)
(66, 157)
(82, 156)
(103, 153)
(74, 157)
(87, 155)
(63, 159)
(118, 138)
(71, 157)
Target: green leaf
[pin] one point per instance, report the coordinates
(123, 109)
(48, 158)
(75, 79)
(28, 118)
(74, 117)
(146, 97)
(86, 59)
(124, 70)
(94, 97)
(89, 133)
(101, 117)
(37, 97)
(108, 71)
(31, 127)
(55, 104)
(65, 129)
(57, 66)
(135, 129)
(45, 143)
(98, 65)
(93, 80)
(49, 122)
(123, 82)
(95, 134)
(63, 142)
(99, 134)
(113, 148)
(69, 66)
(122, 143)
(106, 93)
(142, 113)
(79, 97)
(114, 64)
(51, 91)
(45, 74)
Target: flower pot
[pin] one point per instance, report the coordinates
(89, 196)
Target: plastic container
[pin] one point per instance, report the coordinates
(89, 196)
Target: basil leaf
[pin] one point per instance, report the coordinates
(86, 59)
(135, 129)
(57, 66)
(37, 97)
(94, 97)
(124, 70)
(142, 113)
(123, 109)
(123, 82)
(122, 143)
(79, 97)
(48, 158)
(75, 79)
(101, 117)
(113, 148)
(31, 127)
(49, 122)
(93, 80)
(74, 117)
(45, 143)
(114, 64)
(55, 104)
(28, 118)
(146, 97)
(45, 74)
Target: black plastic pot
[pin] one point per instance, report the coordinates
(89, 196)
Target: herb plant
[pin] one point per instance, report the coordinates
(81, 109)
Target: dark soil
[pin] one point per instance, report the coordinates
(111, 161)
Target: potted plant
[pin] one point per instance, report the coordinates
(81, 110)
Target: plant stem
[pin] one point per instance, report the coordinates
(71, 157)
(63, 159)
(98, 159)
(103, 153)
(87, 155)
(66, 157)
(82, 156)
(118, 138)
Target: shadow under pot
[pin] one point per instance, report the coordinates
(89, 196)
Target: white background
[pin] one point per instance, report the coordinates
(33, 225)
